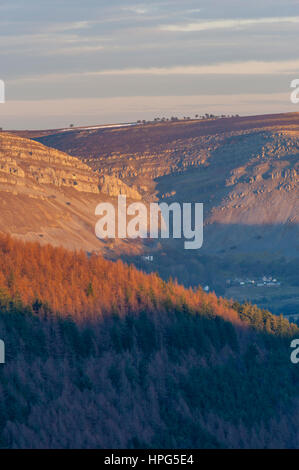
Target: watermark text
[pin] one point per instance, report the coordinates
(158, 221)
(2, 91)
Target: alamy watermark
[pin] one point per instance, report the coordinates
(295, 93)
(2, 91)
(295, 100)
(2, 352)
(159, 221)
(295, 353)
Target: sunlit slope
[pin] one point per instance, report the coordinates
(46, 195)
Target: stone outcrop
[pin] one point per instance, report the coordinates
(113, 186)
(23, 161)
(244, 170)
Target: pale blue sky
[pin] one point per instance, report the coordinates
(91, 62)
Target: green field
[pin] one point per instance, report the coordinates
(283, 299)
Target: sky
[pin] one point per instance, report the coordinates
(94, 62)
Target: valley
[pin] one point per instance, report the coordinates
(243, 169)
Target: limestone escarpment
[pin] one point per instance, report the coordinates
(50, 197)
(244, 170)
(25, 163)
(141, 154)
(113, 186)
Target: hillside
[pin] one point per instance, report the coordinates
(244, 170)
(50, 197)
(46, 195)
(99, 355)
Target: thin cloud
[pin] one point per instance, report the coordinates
(136, 9)
(227, 68)
(75, 50)
(128, 109)
(62, 27)
(47, 44)
(227, 24)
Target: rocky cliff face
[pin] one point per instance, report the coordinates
(24, 162)
(113, 186)
(138, 156)
(263, 188)
(50, 197)
(245, 171)
(46, 195)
